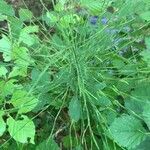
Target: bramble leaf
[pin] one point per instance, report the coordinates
(2, 124)
(140, 97)
(2, 17)
(15, 26)
(7, 87)
(21, 130)
(51, 18)
(6, 9)
(94, 7)
(25, 14)
(3, 71)
(21, 56)
(24, 102)
(5, 48)
(67, 20)
(18, 71)
(127, 131)
(27, 35)
(22, 60)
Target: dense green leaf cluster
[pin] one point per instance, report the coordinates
(76, 77)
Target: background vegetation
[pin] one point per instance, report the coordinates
(74, 75)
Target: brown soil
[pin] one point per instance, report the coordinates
(34, 5)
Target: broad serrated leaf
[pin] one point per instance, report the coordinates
(75, 109)
(43, 100)
(145, 15)
(5, 48)
(24, 102)
(2, 124)
(109, 115)
(147, 43)
(6, 9)
(3, 71)
(21, 56)
(25, 14)
(22, 60)
(140, 97)
(134, 105)
(128, 7)
(59, 7)
(50, 18)
(94, 7)
(146, 115)
(104, 101)
(7, 87)
(118, 63)
(141, 91)
(127, 131)
(44, 80)
(146, 56)
(67, 20)
(145, 145)
(15, 26)
(49, 144)
(30, 29)
(18, 71)
(27, 35)
(21, 130)
(3, 17)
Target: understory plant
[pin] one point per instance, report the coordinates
(76, 77)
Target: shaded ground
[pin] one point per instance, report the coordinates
(34, 5)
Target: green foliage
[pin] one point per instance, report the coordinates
(76, 76)
(27, 37)
(23, 101)
(127, 131)
(6, 9)
(2, 124)
(6, 48)
(25, 14)
(21, 130)
(94, 7)
(47, 144)
(146, 115)
(75, 109)
(3, 71)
